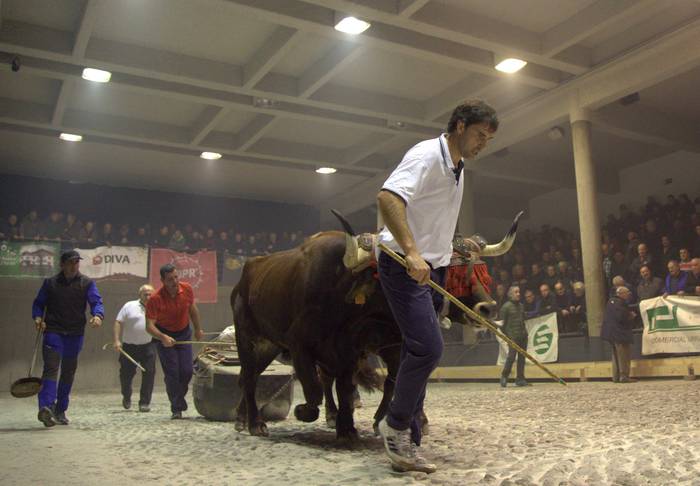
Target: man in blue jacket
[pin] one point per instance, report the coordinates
(59, 310)
(618, 321)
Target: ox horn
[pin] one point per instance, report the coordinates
(506, 243)
(351, 246)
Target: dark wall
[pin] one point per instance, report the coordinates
(97, 369)
(138, 206)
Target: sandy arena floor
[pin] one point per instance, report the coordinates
(586, 434)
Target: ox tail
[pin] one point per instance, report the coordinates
(367, 377)
(346, 225)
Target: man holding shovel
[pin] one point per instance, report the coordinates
(59, 311)
(130, 337)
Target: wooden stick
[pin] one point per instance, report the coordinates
(126, 355)
(208, 343)
(473, 315)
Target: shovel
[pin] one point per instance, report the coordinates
(30, 386)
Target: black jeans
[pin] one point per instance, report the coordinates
(520, 367)
(146, 355)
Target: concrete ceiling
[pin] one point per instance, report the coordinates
(186, 74)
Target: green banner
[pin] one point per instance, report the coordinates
(29, 260)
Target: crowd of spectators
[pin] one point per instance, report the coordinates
(652, 250)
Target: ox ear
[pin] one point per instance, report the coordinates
(506, 243)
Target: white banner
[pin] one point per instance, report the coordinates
(114, 262)
(671, 325)
(542, 340)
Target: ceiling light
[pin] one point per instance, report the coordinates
(70, 137)
(96, 75)
(263, 102)
(510, 65)
(351, 25)
(555, 133)
(210, 155)
(326, 170)
(396, 124)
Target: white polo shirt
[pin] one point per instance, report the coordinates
(426, 181)
(133, 319)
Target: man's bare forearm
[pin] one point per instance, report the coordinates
(153, 330)
(393, 210)
(194, 315)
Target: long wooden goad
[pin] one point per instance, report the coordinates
(473, 315)
(127, 356)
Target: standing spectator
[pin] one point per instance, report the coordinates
(562, 298)
(675, 280)
(643, 258)
(88, 236)
(547, 302)
(168, 314)
(30, 229)
(131, 336)
(10, 230)
(693, 280)
(531, 305)
(178, 242)
(71, 230)
(685, 261)
(607, 264)
(649, 286)
(513, 315)
(107, 236)
(617, 330)
(59, 310)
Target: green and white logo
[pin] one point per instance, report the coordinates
(542, 339)
(662, 318)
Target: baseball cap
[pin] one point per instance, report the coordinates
(70, 255)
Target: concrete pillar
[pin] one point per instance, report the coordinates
(465, 221)
(589, 219)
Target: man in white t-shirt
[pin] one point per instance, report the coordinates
(131, 336)
(420, 202)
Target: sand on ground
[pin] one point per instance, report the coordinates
(584, 434)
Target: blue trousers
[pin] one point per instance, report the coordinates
(58, 351)
(415, 309)
(177, 368)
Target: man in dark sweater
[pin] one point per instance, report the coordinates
(618, 321)
(513, 315)
(59, 310)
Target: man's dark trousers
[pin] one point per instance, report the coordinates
(145, 354)
(415, 309)
(177, 368)
(520, 367)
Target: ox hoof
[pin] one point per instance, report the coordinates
(348, 437)
(239, 426)
(306, 413)
(331, 420)
(259, 429)
(375, 427)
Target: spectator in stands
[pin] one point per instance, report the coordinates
(551, 276)
(531, 305)
(618, 321)
(162, 239)
(617, 282)
(195, 242)
(632, 245)
(178, 242)
(52, 227)
(607, 263)
(578, 307)
(500, 296)
(563, 303)
(675, 280)
(10, 229)
(272, 243)
(238, 244)
(536, 277)
(141, 237)
(513, 315)
(564, 273)
(72, 228)
(685, 260)
(643, 258)
(652, 237)
(30, 229)
(107, 236)
(519, 278)
(124, 238)
(668, 251)
(209, 239)
(547, 302)
(252, 246)
(696, 244)
(88, 236)
(649, 286)
(693, 281)
(576, 265)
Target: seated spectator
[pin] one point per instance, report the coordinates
(564, 274)
(500, 296)
(620, 266)
(519, 278)
(72, 228)
(632, 246)
(531, 305)
(547, 302)
(652, 237)
(551, 277)
(576, 265)
(643, 258)
(10, 229)
(178, 242)
(503, 278)
(693, 281)
(252, 246)
(649, 286)
(30, 229)
(209, 239)
(223, 244)
(578, 307)
(107, 236)
(272, 243)
(141, 237)
(668, 252)
(675, 280)
(52, 228)
(536, 277)
(685, 260)
(123, 238)
(563, 302)
(88, 235)
(196, 242)
(238, 244)
(162, 239)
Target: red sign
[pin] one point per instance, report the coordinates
(198, 270)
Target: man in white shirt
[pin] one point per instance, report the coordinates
(131, 336)
(420, 202)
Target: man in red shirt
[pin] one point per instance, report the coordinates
(168, 314)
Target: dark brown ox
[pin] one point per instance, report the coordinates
(306, 302)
